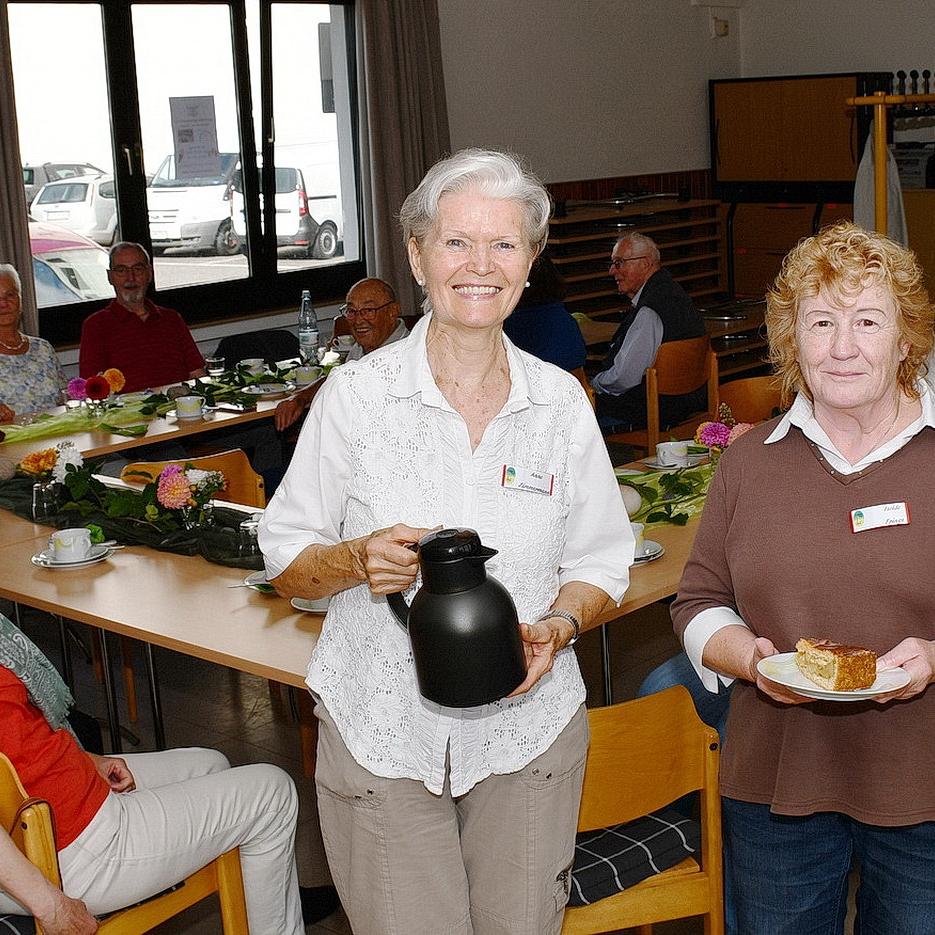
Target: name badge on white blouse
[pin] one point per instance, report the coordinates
(882, 514)
(525, 479)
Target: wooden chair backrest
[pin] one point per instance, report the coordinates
(644, 754)
(680, 367)
(244, 485)
(579, 374)
(31, 827)
(751, 399)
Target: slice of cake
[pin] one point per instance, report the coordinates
(834, 666)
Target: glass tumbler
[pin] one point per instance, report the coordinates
(249, 545)
(214, 366)
(44, 501)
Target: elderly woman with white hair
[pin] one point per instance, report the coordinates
(31, 377)
(440, 819)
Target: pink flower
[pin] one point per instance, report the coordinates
(739, 429)
(78, 388)
(714, 435)
(174, 490)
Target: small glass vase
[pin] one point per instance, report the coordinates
(45, 494)
(197, 517)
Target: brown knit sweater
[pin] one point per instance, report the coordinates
(775, 544)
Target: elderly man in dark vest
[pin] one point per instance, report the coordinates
(661, 310)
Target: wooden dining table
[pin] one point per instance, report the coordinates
(189, 605)
(97, 442)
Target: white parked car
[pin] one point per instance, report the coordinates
(192, 212)
(312, 224)
(86, 205)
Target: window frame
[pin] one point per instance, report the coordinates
(266, 289)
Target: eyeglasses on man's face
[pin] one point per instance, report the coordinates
(617, 262)
(137, 269)
(351, 311)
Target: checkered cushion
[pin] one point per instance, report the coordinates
(609, 860)
(17, 925)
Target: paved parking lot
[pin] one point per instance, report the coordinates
(181, 270)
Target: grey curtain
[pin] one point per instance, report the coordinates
(404, 124)
(14, 231)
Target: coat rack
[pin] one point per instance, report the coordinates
(880, 103)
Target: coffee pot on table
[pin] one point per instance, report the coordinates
(462, 623)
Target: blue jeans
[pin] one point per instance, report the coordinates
(790, 873)
(712, 708)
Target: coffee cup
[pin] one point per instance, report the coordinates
(189, 407)
(306, 374)
(639, 547)
(672, 454)
(70, 545)
(255, 365)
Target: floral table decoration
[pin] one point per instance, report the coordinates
(675, 496)
(168, 513)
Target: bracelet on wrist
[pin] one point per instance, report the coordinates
(565, 615)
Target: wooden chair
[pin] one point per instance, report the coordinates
(244, 485)
(31, 827)
(579, 374)
(645, 754)
(680, 367)
(752, 399)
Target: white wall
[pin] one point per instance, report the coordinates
(585, 88)
(782, 37)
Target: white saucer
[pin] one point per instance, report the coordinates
(319, 606)
(97, 554)
(268, 390)
(201, 417)
(693, 461)
(256, 581)
(651, 551)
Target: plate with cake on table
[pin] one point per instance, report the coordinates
(829, 671)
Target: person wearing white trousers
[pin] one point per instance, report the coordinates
(190, 806)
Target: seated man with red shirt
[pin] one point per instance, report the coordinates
(127, 829)
(150, 345)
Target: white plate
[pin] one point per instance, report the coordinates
(651, 551)
(98, 553)
(627, 472)
(172, 415)
(267, 390)
(781, 668)
(693, 461)
(319, 606)
(256, 581)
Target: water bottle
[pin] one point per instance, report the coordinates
(308, 328)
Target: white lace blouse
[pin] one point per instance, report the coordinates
(381, 445)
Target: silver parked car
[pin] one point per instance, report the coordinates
(86, 205)
(34, 177)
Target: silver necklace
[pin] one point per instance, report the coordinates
(18, 345)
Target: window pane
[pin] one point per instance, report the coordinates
(191, 141)
(311, 139)
(68, 263)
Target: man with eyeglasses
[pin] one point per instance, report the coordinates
(661, 310)
(372, 314)
(149, 344)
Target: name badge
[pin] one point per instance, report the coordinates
(882, 514)
(525, 479)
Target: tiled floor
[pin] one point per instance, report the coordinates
(217, 707)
